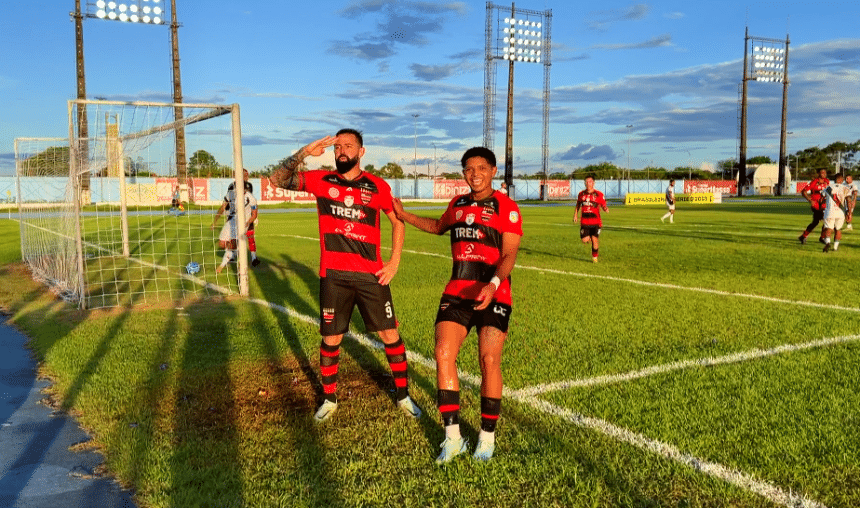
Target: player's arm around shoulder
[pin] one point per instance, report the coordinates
(434, 226)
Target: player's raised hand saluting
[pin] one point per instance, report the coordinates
(318, 147)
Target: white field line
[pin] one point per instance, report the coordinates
(739, 479)
(680, 365)
(642, 282)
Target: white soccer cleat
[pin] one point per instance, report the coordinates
(451, 448)
(484, 450)
(408, 406)
(325, 411)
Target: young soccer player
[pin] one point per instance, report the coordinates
(590, 201)
(670, 202)
(850, 201)
(485, 228)
(834, 213)
(350, 202)
(227, 239)
(812, 192)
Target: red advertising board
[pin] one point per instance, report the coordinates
(198, 189)
(558, 189)
(447, 189)
(269, 192)
(703, 186)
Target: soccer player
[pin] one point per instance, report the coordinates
(229, 232)
(834, 213)
(590, 201)
(485, 227)
(350, 202)
(850, 201)
(670, 202)
(812, 192)
(176, 202)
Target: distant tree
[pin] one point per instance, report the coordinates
(391, 170)
(372, 170)
(454, 176)
(759, 159)
(52, 161)
(203, 163)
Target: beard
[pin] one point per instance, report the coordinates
(343, 166)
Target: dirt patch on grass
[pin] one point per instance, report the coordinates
(262, 394)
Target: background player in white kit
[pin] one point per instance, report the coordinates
(834, 214)
(670, 202)
(850, 201)
(229, 232)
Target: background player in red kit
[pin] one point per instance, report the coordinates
(813, 192)
(352, 273)
(590, 201)
(485, 227)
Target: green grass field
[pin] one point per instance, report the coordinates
(706, 363)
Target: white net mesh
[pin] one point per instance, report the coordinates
(141, 224)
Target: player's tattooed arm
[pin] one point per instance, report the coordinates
(287, 176)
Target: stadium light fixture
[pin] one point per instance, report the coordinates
(134, 11)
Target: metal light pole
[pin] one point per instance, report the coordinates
(435, 166)
(415, 160)
(788, 156)
(628, 151)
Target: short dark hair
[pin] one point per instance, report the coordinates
(672, 180)
(354, 132)
(587, 177)
(479, 151)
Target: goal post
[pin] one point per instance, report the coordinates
(129, 244)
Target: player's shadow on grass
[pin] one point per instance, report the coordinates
(378, 370)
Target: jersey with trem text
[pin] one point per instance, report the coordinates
(349, 213)
(476, 229)
(591, 203)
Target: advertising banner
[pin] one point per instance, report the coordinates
(660, 199)
(558, 189)
(447, 189)
(269, 192)
(716, 186)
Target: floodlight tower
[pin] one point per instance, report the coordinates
(147, 12)
(769, 64)
(517, 35)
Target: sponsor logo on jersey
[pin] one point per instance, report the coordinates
(366, 196)
(343, 212)
(333, 193)
(470, 219)
(349, 201)
(464, 232)
(443, 306)
(514, 217)
(458, 215)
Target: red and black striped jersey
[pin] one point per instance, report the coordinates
(591, 204)
(349, 213)
(476, 229)
(816, 193)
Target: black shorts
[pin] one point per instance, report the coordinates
(586, 231)
(817, 214)
(461, 311)
(338, 297)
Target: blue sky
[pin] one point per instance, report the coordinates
(301, 70)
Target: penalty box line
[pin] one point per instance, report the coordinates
(742, 356)
(661, 285)
(740, 479)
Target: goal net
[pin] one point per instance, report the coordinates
(116, 217)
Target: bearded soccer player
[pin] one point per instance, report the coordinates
(352, 273)
(590, 201)
(813, 192)
(485, 228)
